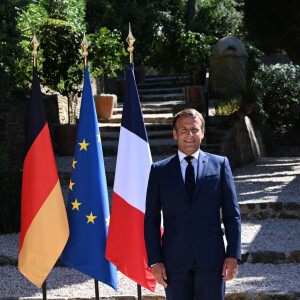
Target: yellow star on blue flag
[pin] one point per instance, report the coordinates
(89, 222)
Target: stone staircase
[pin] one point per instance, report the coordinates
(268, 193)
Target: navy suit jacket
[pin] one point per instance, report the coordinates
(192, 227)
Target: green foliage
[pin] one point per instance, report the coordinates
(62, 63)
(10, 48)
(253, 63)
(218, 18)
(106, 52)
(61, 59)
(10, 191)
(71, 11)
(147, 18)
(227, 107)
(192, 51)
(278, 88)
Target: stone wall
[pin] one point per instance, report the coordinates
(244, 144)
(13, 124)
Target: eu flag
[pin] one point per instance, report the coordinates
(87, 209)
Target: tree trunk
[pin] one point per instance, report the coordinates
(190, 12)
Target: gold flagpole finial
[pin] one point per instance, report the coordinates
(130, 40)
(85, 44)
(35, 44)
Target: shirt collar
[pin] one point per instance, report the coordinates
(182, 155)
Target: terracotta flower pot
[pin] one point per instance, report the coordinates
(105, 105)
(194, 94)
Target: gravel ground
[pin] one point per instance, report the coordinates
(269, 180)
(268, 235)
(65, 282)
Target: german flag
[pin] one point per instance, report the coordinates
(44, 224)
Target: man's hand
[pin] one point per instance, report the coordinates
(229, 268)
(159, 273)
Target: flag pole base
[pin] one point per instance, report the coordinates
(44, 290)
(96, 289)
(139, 291)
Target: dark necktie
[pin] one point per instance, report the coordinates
(190, 176)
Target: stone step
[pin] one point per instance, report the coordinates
(160, 91)
(148, 118)
(157, 147)
(147, 110)
(162, 97)
(115, 127)
(261, 210)
(161, 84)
(169, 104)
(166, 79)
(108, 136)
(252, 282)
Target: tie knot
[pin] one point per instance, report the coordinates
(189, 158)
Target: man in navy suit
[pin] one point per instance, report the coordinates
(195, 192)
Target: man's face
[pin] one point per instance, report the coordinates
(188, 134)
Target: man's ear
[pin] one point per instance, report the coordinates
(175, 134)
(203, 131)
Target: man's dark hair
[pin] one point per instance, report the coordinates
(188, 112)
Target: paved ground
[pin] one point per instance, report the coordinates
(268, 180)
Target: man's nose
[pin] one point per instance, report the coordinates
(190, 132)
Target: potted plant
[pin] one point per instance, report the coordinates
(62, 72)
(105, 58)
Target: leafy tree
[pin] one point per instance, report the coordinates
(218, 18)
(61, 59)
(10, 48)
(274, 26)
(106, 53)
(147, 18)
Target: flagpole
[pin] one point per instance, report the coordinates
(44, 290)
(96, 289)
(130, 40)
(35, 44)
(85, 44)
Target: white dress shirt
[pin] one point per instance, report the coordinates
(184, 163)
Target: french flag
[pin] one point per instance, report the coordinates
(125, 242)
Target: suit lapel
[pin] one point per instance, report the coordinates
(202, 165)
(177, 175)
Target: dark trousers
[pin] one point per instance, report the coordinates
(196, 284)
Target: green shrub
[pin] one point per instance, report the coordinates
(10, 191)
(228, 107)
(278, 88)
